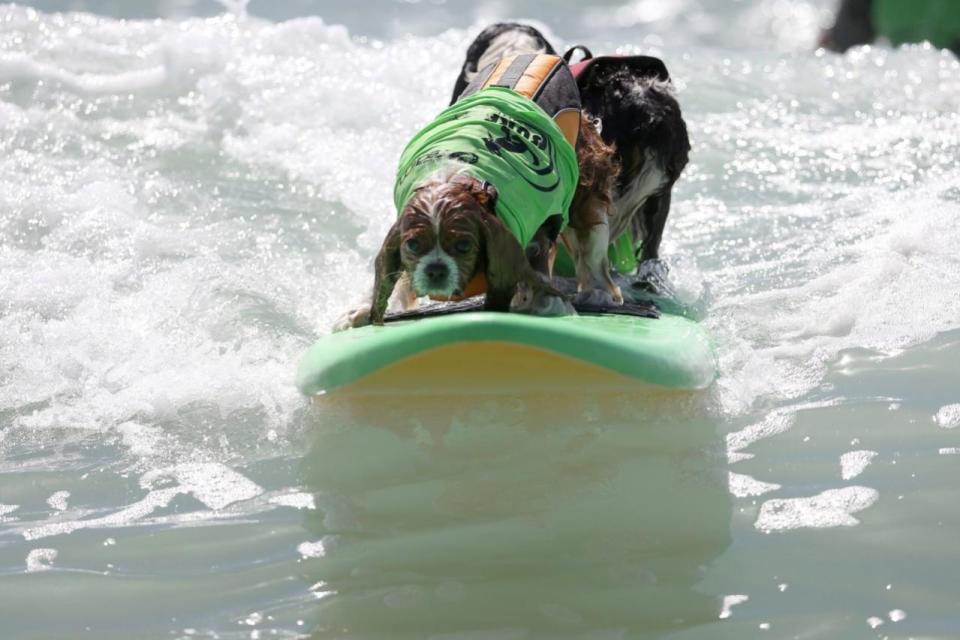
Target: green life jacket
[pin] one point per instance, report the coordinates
(506, 139)
(903, 21)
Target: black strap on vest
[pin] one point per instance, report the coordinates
(587, 54)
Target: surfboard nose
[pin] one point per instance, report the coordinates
(479, 352)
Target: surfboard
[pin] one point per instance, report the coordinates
(459, 350)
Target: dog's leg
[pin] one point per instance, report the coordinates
(588, 246)
(404, 297)
(652, 271)
(655, 211)
(538, 252)
(531, 298)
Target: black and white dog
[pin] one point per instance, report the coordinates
(632, 101)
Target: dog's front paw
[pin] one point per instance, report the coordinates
(652, 277)
(359, 317)
(537, 302)
(600, 297)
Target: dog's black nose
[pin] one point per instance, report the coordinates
(436, 273)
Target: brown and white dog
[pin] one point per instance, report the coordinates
(448, 242)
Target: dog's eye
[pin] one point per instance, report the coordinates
(413, 245)
(462, 246)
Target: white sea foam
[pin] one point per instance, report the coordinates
(297, 500)
(311, 549)
(896, 615)
(729, 602)
(832, 508)
(41, 559)
(141, 440)
(774, 423)
(6, 509)
(213, 484)
(853, 463)
(744, 486)
(124, 517)
(21, 67)
(131, 297)
(58, 500)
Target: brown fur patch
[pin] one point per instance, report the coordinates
(455, 211)
(598, 175)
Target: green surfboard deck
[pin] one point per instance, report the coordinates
(470, 350)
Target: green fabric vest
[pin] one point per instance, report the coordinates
(902, 21)
(504, 138)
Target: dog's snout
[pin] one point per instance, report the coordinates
(436, 273)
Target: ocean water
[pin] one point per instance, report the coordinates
(190, 193)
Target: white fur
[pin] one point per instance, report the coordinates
(422, 285)
(506, 44)
(420, 282)
(650, 181)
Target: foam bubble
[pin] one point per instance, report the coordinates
(948, 416)
(41, 559)
(312, 549)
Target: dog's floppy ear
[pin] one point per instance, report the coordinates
(506, 266)
(505, 261)
(388, 268)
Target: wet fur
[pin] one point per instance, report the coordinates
(641, 124)
(448, 210)
(641, 118)
(588, 231)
